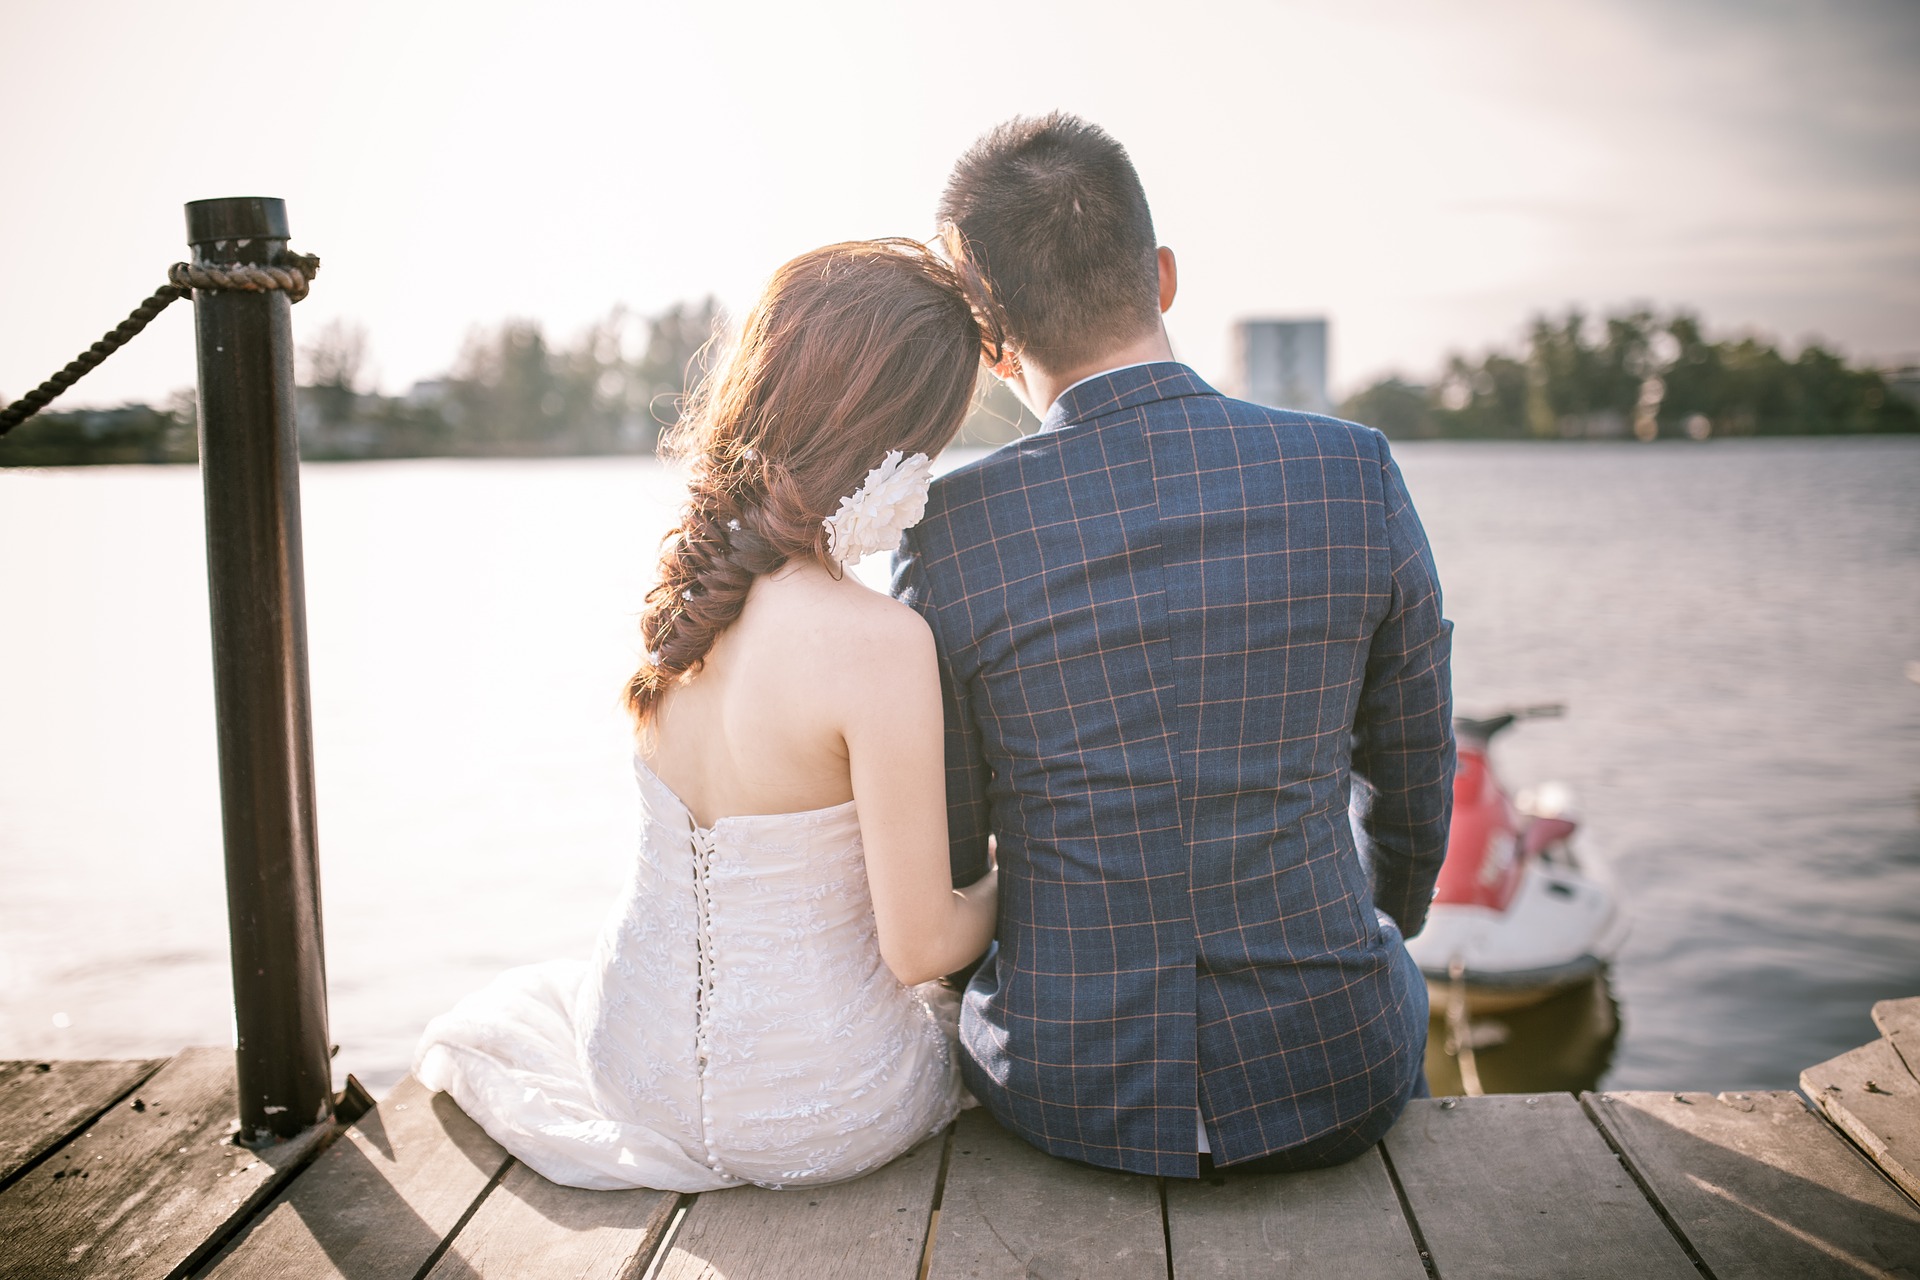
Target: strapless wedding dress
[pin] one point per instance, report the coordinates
(736, 1022)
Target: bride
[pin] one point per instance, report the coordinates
(753, 1011)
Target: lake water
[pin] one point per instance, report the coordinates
(1729, 625)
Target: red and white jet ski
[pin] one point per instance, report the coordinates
(1517, 915)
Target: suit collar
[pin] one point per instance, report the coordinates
(1138, 384)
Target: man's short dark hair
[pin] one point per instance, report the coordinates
(1052, 214)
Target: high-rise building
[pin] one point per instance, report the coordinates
(1283, 363)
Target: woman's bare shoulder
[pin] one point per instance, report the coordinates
(841, 630)
(888, 623)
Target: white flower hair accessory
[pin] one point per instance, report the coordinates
(889, 502)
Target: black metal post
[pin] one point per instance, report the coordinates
(250, 466)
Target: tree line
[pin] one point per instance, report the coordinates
(512, 392)
(1636, 373)
(618, 385)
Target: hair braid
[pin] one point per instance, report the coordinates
(854, 350)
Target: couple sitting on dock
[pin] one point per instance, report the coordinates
(1100, 746)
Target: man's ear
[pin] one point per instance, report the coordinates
(1169, 278)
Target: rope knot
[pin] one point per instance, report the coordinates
(294, 278)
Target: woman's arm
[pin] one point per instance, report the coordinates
(968, 837)
(896, 752)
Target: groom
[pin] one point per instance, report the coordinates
(1177, 634)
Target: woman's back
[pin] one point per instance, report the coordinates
(759, 730)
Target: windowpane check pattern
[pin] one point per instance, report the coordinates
(1180, 637)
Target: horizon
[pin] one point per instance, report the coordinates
(458, 167)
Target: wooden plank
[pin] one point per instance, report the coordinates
(1760, 1186)
(140, 1192)
(1521, 1186)
(874, 1226)
(1010, 1211)
(1899, 1022)
(531, 1229)
(42, 1103)
(380, 1200)
(1342, 1223)
(1869, 1093)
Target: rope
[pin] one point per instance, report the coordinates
(1460, 1028)
(38, 398)
(293, 279)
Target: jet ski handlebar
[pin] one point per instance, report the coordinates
(1483, 730)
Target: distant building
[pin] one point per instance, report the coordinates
(429, 393)
(1283, 363)
(329, 424)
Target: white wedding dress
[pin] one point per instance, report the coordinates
(736, 1023)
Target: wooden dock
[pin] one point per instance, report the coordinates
(127, 1169)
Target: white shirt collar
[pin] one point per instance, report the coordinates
(1137, 364)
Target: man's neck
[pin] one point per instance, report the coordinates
(1039, 387)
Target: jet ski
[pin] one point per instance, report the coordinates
(1518, 915)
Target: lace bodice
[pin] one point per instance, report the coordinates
(735, 1024)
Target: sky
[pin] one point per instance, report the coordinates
(1426, 176)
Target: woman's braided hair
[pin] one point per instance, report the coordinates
(852, 350)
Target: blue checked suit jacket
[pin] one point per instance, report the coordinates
(1175, 631)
